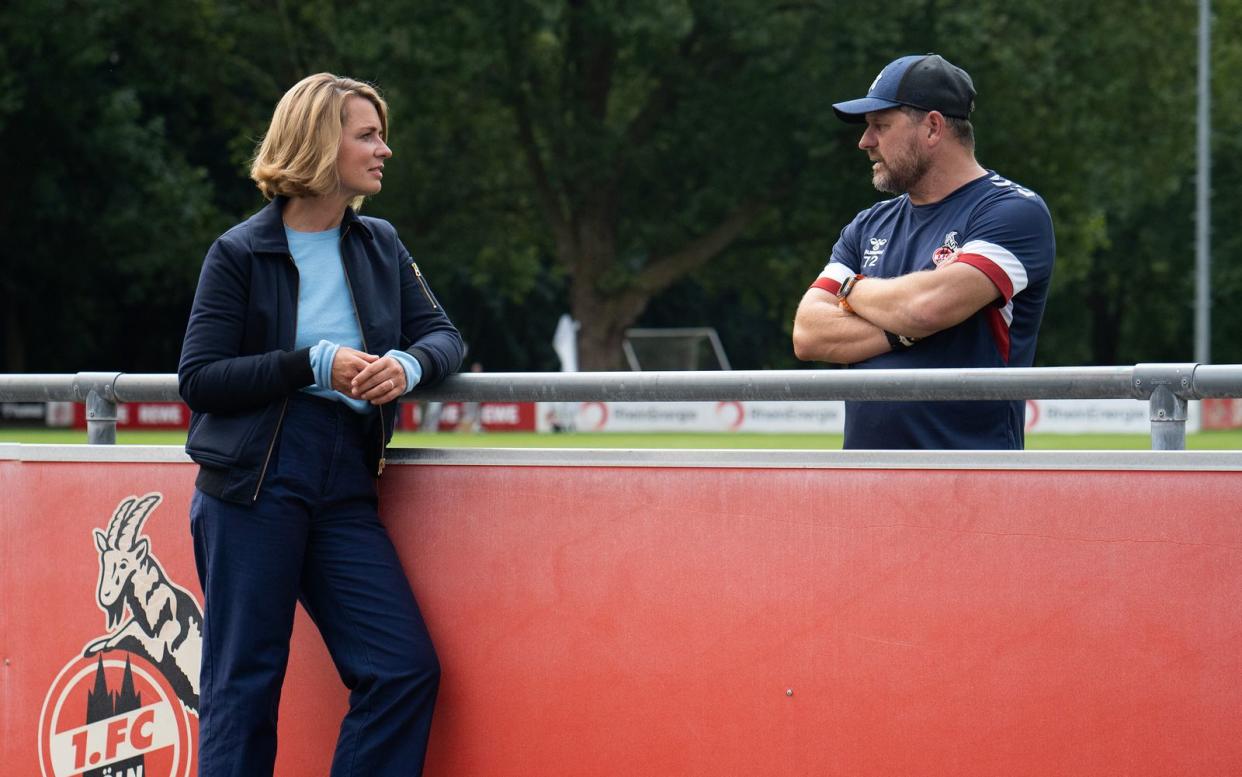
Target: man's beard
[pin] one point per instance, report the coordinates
(901, 172)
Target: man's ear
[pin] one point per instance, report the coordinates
(934, 127)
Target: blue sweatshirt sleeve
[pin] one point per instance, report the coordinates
(322, 354)
(413, 370)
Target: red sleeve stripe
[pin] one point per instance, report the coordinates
(832, 277)
(1004, 259)
(995, 274)
(1000, 331)
(827, 284)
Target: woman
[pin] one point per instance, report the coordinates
(308, 322)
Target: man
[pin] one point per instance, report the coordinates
(953, 272)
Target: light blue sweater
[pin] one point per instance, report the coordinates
(326, 316)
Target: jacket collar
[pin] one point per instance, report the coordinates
(267, 229)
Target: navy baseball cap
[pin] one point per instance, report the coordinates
(928, 82)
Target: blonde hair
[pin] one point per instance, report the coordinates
(297, 156)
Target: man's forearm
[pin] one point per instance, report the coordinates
(823, 332)
(922, 303)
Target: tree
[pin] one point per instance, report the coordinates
(1094, 115)
(101, 203)
(646, 137)
(641, 162)
(639, 150)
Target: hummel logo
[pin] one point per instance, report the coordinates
(872, 255)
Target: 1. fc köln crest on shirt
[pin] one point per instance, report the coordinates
(947, 251)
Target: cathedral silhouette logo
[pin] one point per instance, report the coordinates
(123, 708)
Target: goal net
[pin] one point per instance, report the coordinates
(687, 348)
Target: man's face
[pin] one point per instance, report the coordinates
(891, 141)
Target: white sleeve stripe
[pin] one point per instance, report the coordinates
(1007, 313)
(1002, 258)
(837, 272)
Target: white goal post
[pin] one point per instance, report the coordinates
(674, 348)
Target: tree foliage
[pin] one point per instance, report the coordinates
(632, 162)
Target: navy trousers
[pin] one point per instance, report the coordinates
(312, 536)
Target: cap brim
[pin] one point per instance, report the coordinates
(855, 111)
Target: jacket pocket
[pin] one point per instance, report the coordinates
(226, 439)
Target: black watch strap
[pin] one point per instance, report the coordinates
(898, 342)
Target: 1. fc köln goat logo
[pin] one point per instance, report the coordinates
(123, 707)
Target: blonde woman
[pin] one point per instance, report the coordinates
(309, 321)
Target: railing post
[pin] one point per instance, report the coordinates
(1167, 387)
(1168, 420)
(98, 391)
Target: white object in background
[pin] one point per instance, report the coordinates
(565, 343)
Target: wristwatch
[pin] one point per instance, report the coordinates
(846, 287)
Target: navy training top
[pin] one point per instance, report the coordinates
(993, 224)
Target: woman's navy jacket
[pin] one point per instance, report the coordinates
(238, 363)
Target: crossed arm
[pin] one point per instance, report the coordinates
(914, 305)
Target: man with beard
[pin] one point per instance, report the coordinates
(953, 272)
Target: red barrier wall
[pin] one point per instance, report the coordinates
(693, 621)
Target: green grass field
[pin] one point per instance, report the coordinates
(1215, 440)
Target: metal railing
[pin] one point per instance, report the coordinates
(1166, 387)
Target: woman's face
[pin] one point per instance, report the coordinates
(360, 158)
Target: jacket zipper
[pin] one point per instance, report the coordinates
(271, 446)
(423, 283)
(361, 333)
